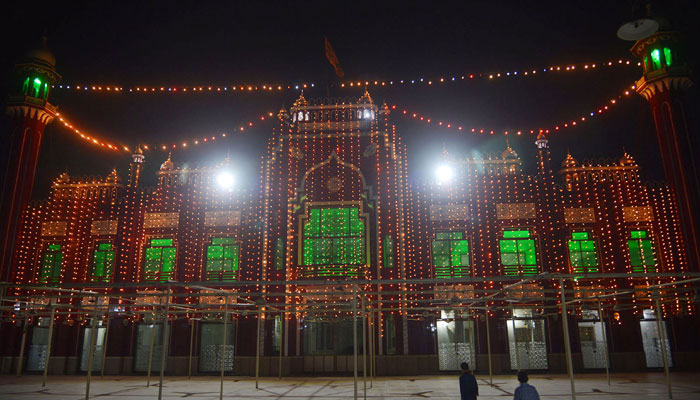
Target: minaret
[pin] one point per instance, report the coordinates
(135, 167)
(30, 112)
(664, 83)
(542, 154)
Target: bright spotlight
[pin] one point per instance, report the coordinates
(444, 173)
(225, 180)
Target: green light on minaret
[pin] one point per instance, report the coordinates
(656, 59)
(667, 56)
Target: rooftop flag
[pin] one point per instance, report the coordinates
(333, 59)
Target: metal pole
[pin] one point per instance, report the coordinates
(223, 349)
(515, 338)
(370, 314)
(281, 341)
(567, 345)
(605, 341)
(189, 366)
(21, 348)
(364, 350)
(164, 342)
(150, 355)
(93, 328)
(257, 350)
(48, 348)
(662, 334)
(488, 345)
(354, 339)
(104, 348)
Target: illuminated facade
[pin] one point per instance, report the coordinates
(335, 207)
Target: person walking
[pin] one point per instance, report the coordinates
(468, 388)
(525, 391)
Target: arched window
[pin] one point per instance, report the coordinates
(583, 253)
(334, 242)
(641, 251)
(51, 262)
(222, 259)
(518, 252)
(102, 263)
(656, 59)
(451, 255)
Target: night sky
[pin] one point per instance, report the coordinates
(224, 43)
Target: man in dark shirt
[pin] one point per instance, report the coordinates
(467, 383)
(525, 391)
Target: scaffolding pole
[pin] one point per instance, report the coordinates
(282, 320)
(93, 335)
(104, 348)
(515, 338)
(223, 349)
(150, 352)
(257, 351)
(354, 339)
(21, 347)
(364, 350)
(488, 346)
(662, 335)
(48, 348)
(164, 342)
(189, 361)
(567, 345)
(605, 341)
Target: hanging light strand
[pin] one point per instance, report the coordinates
(277, 88)
(583, 117)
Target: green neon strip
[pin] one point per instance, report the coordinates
(656, 58)
(579, 235)
(161, 242)
(667, 56)
(516, 234)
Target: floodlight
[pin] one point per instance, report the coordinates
(444, 173)
(225, 180)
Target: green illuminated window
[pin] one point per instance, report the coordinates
(51, 264)
(667, 56)
(388, 252)
(518, 253)
(641, 252)
(583, 254)
(451, 255)
(656, 59)
(160, 260)
(222, 259)
(279, 254)
(102, 263)
(334, 242)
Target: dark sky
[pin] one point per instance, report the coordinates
(219, 43)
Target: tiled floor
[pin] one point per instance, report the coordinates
(623, 386)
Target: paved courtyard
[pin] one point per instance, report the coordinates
(627, 386)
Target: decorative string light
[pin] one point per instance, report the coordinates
(419, 81)
(182, 144)
(89, 138)
(490, 131)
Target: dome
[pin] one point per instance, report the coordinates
(509, 153)
(366, 98)
(283, 115)
(167, 164)
(627, 160)
(42, 54)
(569, 162)
(301, 101)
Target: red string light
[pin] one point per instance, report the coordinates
(481, 130)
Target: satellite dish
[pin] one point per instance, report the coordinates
(638, 29)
